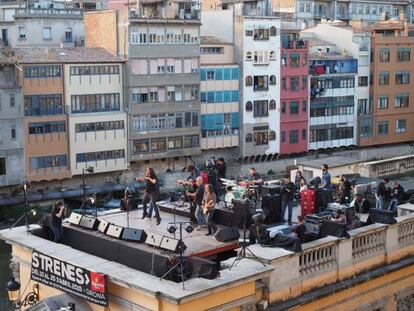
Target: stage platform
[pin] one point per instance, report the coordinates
(198, 244)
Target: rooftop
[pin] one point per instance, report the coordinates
(331, 161)
(212, 40)
(6, 58)
(65, 55)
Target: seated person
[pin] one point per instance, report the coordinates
(360, 203)
(339, 217)
(254, 177)
(300, 230)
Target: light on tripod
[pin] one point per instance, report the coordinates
(189, 228)
(92, 200)
(33, 212)
(171, 229)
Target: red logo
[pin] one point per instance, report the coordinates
(98, 282)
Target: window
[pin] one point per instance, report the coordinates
(384, 78)
(272, 105)
(2, 166)
(272, 80)
(211, 50)
(48, 162)
(273, 31)
(294, 107)
(400, 126)
(175, 142)
(134, 37)
(402, 77)
(363, 81)
(304, 83)
(95, 103)
(260, 83)
(261, 34)
(304, 134)
(403, 54)
(40, 128)
(260, 108)
(158, 144)
(12, 100)
(171, 95)
(294, 59)
(249, 33)
(249, 81)
(260, 138)
(293, 136)
(272, 135)
(210, 74)
(272, 55)
(43, 105)
(383, 128)
(364, 107)
(249, 56)
(141, 146)
(249, 106)
(44, 71)
(294, 84)
(383, 102)
(22, 33)
(346, 83)
(47, 33)
(192, 141)
(283, 107)
(283, 136)
(249, 138)
(261, 57)
(13, 133)
(284, 87)
(304, 105)
(402, 100)
(384, 55)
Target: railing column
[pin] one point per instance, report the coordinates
(345, 259)
(391, 242)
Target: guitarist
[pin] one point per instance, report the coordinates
(209, 203)
(197, 199)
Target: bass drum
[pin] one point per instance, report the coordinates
(228, 199)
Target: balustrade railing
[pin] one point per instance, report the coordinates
(368, 244)
(319, 259)
(406, 232)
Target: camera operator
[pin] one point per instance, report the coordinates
(58, 212)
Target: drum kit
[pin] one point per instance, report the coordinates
(239, 191)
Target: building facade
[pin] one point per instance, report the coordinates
(391, 114)
(294, 93)
(219, 95)
(162, 46)
(333, 80)
(11, 124)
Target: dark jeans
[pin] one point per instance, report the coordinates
(57, 233)
(211, 226)
(152, 199)
(289, 205)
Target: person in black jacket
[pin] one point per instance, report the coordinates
(288, 192)
(150, 194)
(381, 193)
(397, 194)
(58, 213)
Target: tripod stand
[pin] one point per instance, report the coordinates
(242, 252)
(25, 213)
(180, 263)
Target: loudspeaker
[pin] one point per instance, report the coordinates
(103, 226)
(272, 207)
(203, 268)
(114, 231)
(154, 240)
(89, 222)
(227, 234)
(75, 218)
(171, 244)
(136, 235)
(381, 216)
(332, 228)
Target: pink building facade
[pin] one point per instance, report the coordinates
(294, 94)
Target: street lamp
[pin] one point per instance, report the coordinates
(13, 290)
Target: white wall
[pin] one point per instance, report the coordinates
(218, 24)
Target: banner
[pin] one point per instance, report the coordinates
(64, 276)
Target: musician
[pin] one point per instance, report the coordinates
(381, 193)
(254, 177)
(58, 212)
(326, 177)
(190, 181)
(221, 168)
(197, 198)
(288, 191)
(344, 188)
(209, 203)
(397, 194)
(150, 194)
(299, 180)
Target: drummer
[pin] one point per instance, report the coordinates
(254, 178)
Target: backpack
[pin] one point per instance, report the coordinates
(204, 176)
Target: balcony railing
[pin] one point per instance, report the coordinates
(181, 15)
(41, 11)
(295, 45)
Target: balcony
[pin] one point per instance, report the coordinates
(185, 11)
(333, 66)
(40, 12)
(295, 45)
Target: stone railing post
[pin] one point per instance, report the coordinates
(391, 242)
(345, 259)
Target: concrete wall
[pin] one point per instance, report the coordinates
(218, 24)
(101, 30)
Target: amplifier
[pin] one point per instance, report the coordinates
(114, 231)
(103, 226)
(171, 244)
(136, 235)
(89, 222)
(154, 240)
(75, 218)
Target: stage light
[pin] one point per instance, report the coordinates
(189, 228)
(92, 200)
(33, 212)
(171, 229)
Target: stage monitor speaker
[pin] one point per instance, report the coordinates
(89, 222)
(203, 268)
(171, 244)
(287, 242)
(272, 207)
(136, 235)
(75, 218)
(154, 240)
(332, 228)
(103, 226)
(114, 231)
(381, 216)
(227, 234)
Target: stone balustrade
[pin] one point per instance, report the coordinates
(322, 257)
(368, 244)
(406, 232)
(387, 167)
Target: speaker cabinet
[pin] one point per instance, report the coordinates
(136, 235)
(88, 222)
(154, 240)
(203, 268)
(103, 226)
(381, 217)
(227, 234)
(114, 231)
(171, 244)
(75, 218)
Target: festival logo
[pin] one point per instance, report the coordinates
(98, 282)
